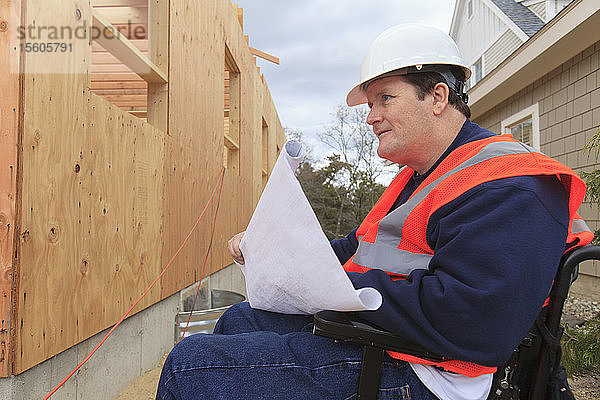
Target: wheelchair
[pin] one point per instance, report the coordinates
(529, 374)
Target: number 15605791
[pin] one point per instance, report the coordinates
(49, 47)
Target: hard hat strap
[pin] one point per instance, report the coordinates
(455, 84)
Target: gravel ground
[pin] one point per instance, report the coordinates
(576, 311)
(580, 309)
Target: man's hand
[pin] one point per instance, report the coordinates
(234, 248)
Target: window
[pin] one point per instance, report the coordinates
(524, 126)
(476, 73)
(231, 125)
(127, 68)
(478, 70)
(523, 131)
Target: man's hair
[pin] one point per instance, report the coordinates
(424, 82)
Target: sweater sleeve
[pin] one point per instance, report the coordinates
(496, 251)
(345, 248)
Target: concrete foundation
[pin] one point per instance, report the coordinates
(135, 347)
(587, 286)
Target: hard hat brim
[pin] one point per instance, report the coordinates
(356, 96)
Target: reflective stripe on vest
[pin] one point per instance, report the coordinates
(382, 244)
(579, 226)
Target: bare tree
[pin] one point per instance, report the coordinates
(355, 157)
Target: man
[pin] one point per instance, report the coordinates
(463, 246)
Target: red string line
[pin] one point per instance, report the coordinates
(146, 292)
(212, 234)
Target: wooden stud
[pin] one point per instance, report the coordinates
(119, 3)
(140, 44)
(120, 77)
(158, 49)
(230, 143)
(122, 48)
(111, 85)
(106, 58)
(127, 16)
(264, 55)
(240, 15)
(232, 106)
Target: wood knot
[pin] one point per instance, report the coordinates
(84, 266)
(77, 168)
(3, 26)
(53, 234)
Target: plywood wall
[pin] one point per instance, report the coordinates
(10, 117)
(105, 198)
(196, 130)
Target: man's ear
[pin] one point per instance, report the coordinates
(441, 94)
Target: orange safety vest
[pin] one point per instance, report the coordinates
(396, 242)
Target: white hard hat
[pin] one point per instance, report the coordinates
(402, 46)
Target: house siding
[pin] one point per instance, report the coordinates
(477, 32)
(569, 106)
(500, 50)
(539, 9)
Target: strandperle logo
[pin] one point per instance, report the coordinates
(83, 31)
(60, 45)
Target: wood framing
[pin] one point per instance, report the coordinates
(117, 44)
(158, 52)
(103, 169)
(231, 111)
(264, 55)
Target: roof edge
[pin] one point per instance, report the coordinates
(567, 34)
(453, 26)
(506, 19)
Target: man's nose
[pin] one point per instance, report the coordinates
(373, 117)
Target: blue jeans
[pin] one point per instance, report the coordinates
(258, 354)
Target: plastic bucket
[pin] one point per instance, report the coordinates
(204, 320)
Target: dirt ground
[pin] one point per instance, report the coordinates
(143, 387)
(587, 386)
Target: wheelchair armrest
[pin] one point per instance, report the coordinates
(351, 328)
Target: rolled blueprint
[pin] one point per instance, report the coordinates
(290, 266)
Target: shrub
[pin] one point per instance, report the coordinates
(581, 347)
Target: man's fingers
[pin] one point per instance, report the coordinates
(234, 248)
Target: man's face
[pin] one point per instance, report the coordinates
(400, 121)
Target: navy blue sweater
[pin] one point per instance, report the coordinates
(497, 248)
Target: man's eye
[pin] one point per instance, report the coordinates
(385, 97)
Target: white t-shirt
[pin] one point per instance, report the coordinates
(449, 386)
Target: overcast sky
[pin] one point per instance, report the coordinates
(320, 44)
